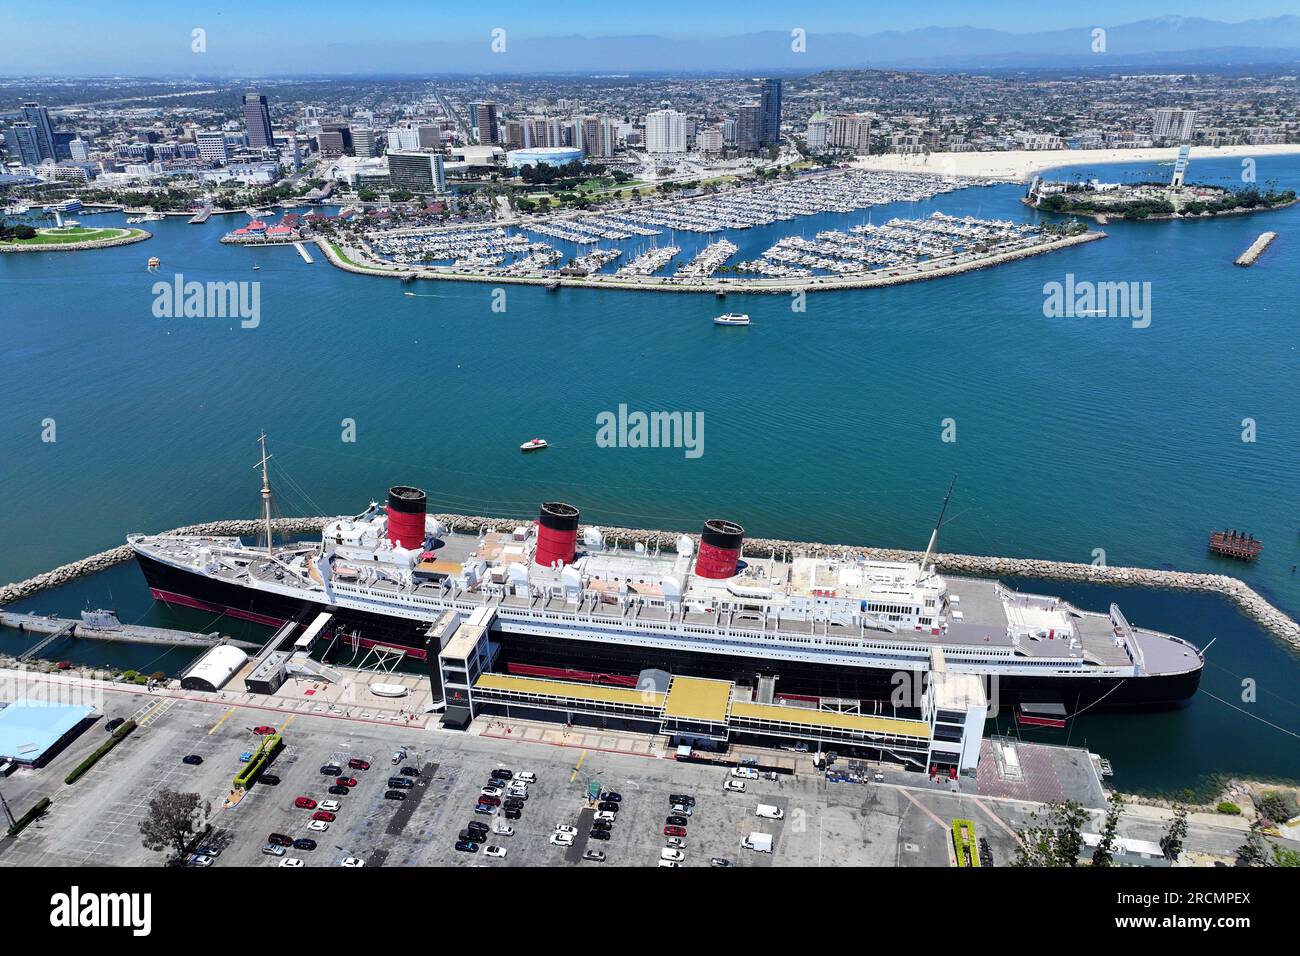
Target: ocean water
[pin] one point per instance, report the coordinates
(1073, 436)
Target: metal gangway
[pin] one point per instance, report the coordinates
(65, 631)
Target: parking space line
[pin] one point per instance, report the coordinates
(223, 719)
(578, 766)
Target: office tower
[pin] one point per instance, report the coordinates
(365, 142)
(771, 104)
(257, 121)
(418, 172)
(749, 128)
(20, 138)
(665, 131)
(334, 139)
(484, 118)
(212, 146)
(38, 117)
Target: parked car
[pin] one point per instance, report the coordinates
(488, 809)
(519, 793)
(400, 755)
(268, 779)
(246, 756)
(601, 825)
(304, 803)
(352, 861)
(669, 863)
(496, 852)
(317, 826)
(394, 794)
(501, 773)
(677, 843)
(192, 759)
(325, 815)
(348, 782)
(674, 831)
(612, 796)
(404, 782)
(410, 771)
(682, 810)
(292, 861)
(502, 829)
(682, 798)
(264, 730)
(491, 791)
(198, 859)
(466, 846)
(333, 806)
(607, 806)
(561, 839)
(274, 849)
(489, 800)
(605, 815)
(744, 773)
(676, 821)
(331, 770)
(280, 839)
(526, 776)
(669, 853)
(115, 723)
(513, 813)
(212, 851)
(735, 786)
(595, 856)
(720, 861)
(513, 804)
(304, 843)
(356, 763)
(599, 835)
(339, 791)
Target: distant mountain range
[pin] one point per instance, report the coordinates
(1188, 41)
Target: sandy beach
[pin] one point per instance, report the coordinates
(1021, 164)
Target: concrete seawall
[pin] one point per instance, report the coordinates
(1251, 603)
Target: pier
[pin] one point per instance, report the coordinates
(1256, 249)
(302, 251)
(200, 217)
(59, 627)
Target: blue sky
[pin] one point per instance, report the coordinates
(150, 36)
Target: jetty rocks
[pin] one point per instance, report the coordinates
(136, 235)
(1251, 603)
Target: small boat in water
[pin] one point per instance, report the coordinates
(533, 444)
(732, 318)
(154, 263)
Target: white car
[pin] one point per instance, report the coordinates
(669, 853)
(744, 773)
(525, 776)
(199, 859)
(561, 839)
(566, 829)
(735, 786)
(518, 792)
(669, 863)
(333, 806)
(496, 852)
(502, 829)
(677, 843)
(491, 791)
(681, 810)
(317, 826)
(292, 861)
(352, 861)
(606, 815)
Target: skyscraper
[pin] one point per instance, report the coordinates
(484, 118)
(771, 104)
(665, 131)
(20, 138)
(749, 128)
(1172, 125)
(257, 121)
(420, 173)
(38, 117)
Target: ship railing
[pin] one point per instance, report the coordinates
(1125, 638)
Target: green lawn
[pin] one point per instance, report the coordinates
(47, 237)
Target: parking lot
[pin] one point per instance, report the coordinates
(96, 820)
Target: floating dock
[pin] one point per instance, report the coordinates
(59, 627)
(302, 251)
(1256, 249)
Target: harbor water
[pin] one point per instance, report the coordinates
(1077, 439)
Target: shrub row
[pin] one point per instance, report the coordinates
(118, 736)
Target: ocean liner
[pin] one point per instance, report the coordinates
(571, 605)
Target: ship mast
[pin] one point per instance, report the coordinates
(266, 492)
(934, 535)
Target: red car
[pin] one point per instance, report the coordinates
(264, 730)
(324, 815)
(356, 763)
(675, 831)
(345, 781)
(305, 803)
(489, 800)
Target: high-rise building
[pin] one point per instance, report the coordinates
(818, 131)
(418, 172)
(851, 131)
(257, 121)
(20, 138)
(334, 139)
(514, 134)
(403, 137)
(771, 103)
(79, 150)
(212, 146)
(430, 136)
(665, 131)
(484, 118)
(749, 128)
(43, 130)
(709, 140)
(365, 141)
(1172, 125)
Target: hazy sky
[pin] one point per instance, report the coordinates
(151, 36)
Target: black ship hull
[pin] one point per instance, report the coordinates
(617, 663)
